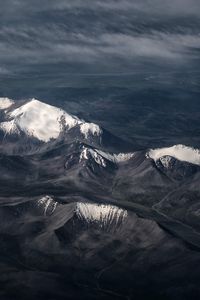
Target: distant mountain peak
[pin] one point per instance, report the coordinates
(179, 152)
(88, 153)
(103, 158)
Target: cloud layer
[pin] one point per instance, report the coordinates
(91, 36)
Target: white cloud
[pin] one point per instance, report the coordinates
(113, 34)
(103, 48)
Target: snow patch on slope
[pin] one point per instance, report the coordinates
(180, 152)
(90, 128)
(116, 158)
(9, 127)
(102, 215)
(48, 204)
(5, 103)
(166, 161)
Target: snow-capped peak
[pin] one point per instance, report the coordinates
(43, 121)
(102, 157)
(88, 152)
(180, 152)
(5, 103)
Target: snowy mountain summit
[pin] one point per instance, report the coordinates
(180, 152)
(42, 121)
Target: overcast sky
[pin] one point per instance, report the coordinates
(91, 36)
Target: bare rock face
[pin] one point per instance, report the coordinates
(176, 169)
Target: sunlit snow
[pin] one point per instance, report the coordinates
(43, 121)
(180, 152)
(101, 214)
(5, 103)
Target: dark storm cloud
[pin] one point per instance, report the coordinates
(98, 34)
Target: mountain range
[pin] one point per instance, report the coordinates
(84, 214)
